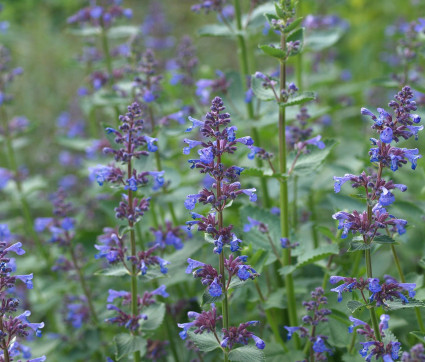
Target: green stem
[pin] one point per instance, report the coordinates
(294, 204)
(403, 280)
(106, 53)
(313, 218)
(353, 342)
(283, 199)
(373, 316)
(170, 333)
(243, 55)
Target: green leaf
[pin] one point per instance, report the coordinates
(262, 93)
(398, 304)
(354, 305)
(113, 271)
(419, 335)
(293, 25)
(126, 344)
(384, 239)
(359, 245)
(206, 341)
(76, 144)
(237, 283)
(389, 337)
(257, 172)
(313, 160)
(273, 51)
(217, 30)
(155, 313)
(275, 300)
(325, 231)
(123, 31)
(105, 98)
(271, 17)
(300, 98)
(87, 31)
(207, 298)
(358, 196)
(322, 39)
(421, 263)
(247, 354)
(311, 257)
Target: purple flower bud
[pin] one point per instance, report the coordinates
(260, 344)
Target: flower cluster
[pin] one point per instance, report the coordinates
(316, 316)
(14, 328)
(373, 347)
(211, 278)
(380, 293)
(204, 87)
(132, 321)
(185, 63)
(96, 15)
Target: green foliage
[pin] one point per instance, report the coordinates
(155, 313)
(206, 342)
(297, 99)
(246, 354)
(126, 343)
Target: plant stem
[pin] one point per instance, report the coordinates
(373, 316)
(283, 199)
(170, 333)
(134, 306)
(313, 218)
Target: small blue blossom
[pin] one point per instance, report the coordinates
(113, 294)
(251, 193)
(291, 331)
(16, 248)
(161, 291)
(206, 155)
(131, 184)
(356, 323)
(27, 279)
(193, 264)
(316, 141)
(191, 201)
(234, 243)
(151, 146)
(320, 347)
(231, 136)
(215, 289)
(386, 135)
(5, 176)
(186, 327)
(386, 198)
(248, 141)
(259, 343)
(384, 321)
(195, 124)
(191, 144)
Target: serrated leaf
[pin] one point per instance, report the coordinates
(293, 25)
(398, 304)
(276, 300)
(247, 354)
(354, 305)
(273, 51)
(298, 99)
(206, 342)
(384, 239)
(113, 271)
(419, 335)
(217, 30)
(359, 245)
(262, 93)
(123, 31)
(126, 344)
(207, 298)
(237, 283)
(325, 231)
(313, 160)
(322, 39)
(389, 337)
(311, 257)
(155, 313)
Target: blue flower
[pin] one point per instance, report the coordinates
(162, 264)
(412, 155)
(259, 343)
(248, 141)
(395, 349)
(291, 331)
(218, 245)
(386, 135)
(5, 234)
(356, 323)
(252, 223)
(409, 287)
(27, 279)
(284, 242)
(386, 198)
(161, 291)
(414, 130)
(131, 184)
(158, 178)
(195, 124)
(254, 151)
(186, 327)
(151, 146)
(234, 243)
(148, 97)
(316, 141)
(215, 289)
(339, 181)
(244, 272)
(5, 176)
(384, 321)
(191, 201)
(231, 133)
(251, 194)
(113, 294)
(16, 248)
(249, 94)
(319, 346)
(191, 144)
(193, 264)
(206, 155)
(96, 12)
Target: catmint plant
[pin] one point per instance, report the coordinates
(219, 139)
(373, 223)
(114, 246)
(14, 325)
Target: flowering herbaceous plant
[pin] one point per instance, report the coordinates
(172, 189)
